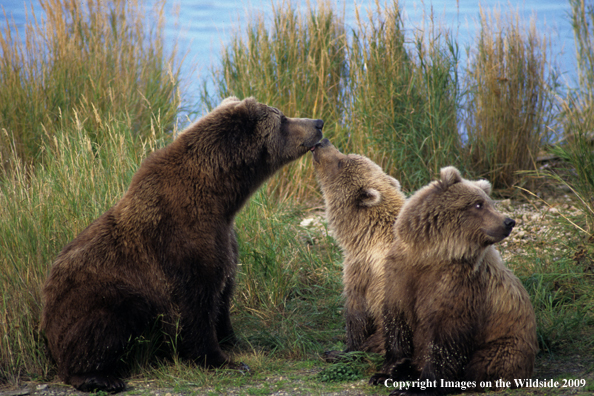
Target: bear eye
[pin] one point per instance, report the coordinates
(478, 205)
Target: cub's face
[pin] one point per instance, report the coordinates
(476, 213)
(453, 215)
(351, 182)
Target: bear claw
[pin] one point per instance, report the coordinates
(97, 382)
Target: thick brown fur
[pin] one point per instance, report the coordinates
(362, 203)
(166, 253)
(453, 311)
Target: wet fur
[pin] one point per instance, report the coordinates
(453, 310)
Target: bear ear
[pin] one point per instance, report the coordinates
(484, 185)
(449, 176)
(394, 182)
(369, 197)
(229, 100)
(254, 109)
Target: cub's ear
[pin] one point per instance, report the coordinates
(369, 197)
(231, 100)
(449, 176)
(484, 185)
(228, 100)
(394, 182)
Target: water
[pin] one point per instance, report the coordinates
(203, 26)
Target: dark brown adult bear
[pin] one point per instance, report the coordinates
(455, 315)
(166, 252)
(362, 203)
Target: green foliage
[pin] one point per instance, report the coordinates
(340, 372)
(83, 63)
(379, 96)
(576, 119)
(352, 366)
(509, 102)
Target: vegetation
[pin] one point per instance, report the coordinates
(89, 91)
(83, 64)
(508, 114)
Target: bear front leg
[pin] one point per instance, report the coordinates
(359, 327)
(198, 334)
(399, 351)
(444, 359)
(224, 330)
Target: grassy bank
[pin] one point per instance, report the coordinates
(83, 63)
(383, 90)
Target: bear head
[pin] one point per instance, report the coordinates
(452, 218)
(241, 143)
(362, 201)
(261, 132)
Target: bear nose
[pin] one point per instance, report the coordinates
(319, 124)
(509, 223)
(322, 143)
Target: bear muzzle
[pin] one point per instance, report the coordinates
(320, 145)
(509, 224)
(317, 134)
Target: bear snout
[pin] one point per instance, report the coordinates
(509, 224)
(319, 124)
(323, 143)
(320, 145)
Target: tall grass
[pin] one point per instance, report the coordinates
(288, 292)
(42, 210)
(577, 120)
(403, 97)
(83, 62)
(294, 62)
(381, 93)
(509, 102)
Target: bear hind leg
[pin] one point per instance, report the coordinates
(503, 359)
(89, 355)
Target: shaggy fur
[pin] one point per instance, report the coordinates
(166, 252)
(362, 203)
(453, 311)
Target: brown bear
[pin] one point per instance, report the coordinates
(455, 316)
(362, 203)
(166, 253)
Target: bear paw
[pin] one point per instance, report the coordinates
(378, 378)
(93, 382)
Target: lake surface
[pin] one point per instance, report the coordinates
(203, 27)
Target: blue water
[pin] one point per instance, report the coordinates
(203, 27)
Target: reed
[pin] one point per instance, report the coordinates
(509, 102)
(91, 59)
(378, 94)
(42, 209)
(295, 62)
(576, 120)
(403, 97)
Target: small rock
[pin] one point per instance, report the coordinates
(41, 387)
